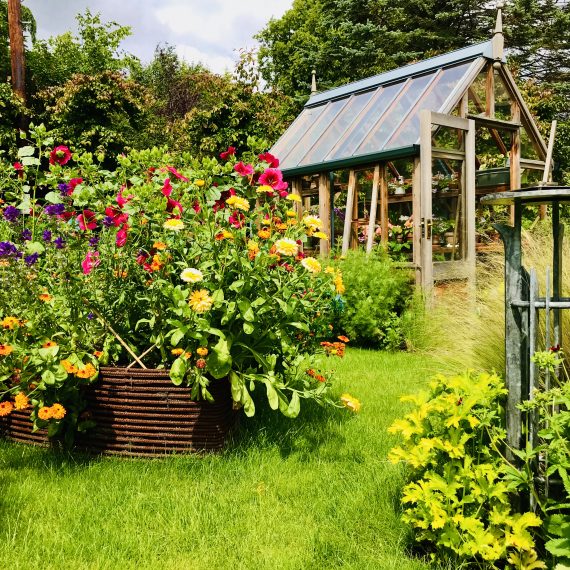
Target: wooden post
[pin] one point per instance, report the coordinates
(354, 223)
(373, 206)
(470, 210)
(426, 204)
(348, 212)
(296, 188)
(325, 212)
(17, 48)
(417, 214)
(384, 205)
(547, 166)
(490, 93)
(515, 156)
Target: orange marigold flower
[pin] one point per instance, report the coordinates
(156, 264)
(44, 413)
(202, 351)
(122, 274)
(186, 355)
(57, 412)
(160, 246)
(97, 353)
(10, 323)
(69, 367)
(200, 301)
(49, 344)
(6, 408)
(21, 401)
(200, 363)
(177, 351)
(45, 297)
(343, 338)
(6, 349)
(87, 371)
(264, 233)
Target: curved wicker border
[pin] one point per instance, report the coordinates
(141, 413)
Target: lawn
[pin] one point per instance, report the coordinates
(311, 493)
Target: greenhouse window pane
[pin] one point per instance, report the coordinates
(377, 138)
(299, 127)
(313, 134)
(337, 128)
(433, 98)
(376, 109)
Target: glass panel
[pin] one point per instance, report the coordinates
(448, 138)
(433, 98)
(299, 127)
(447, 210)
(378, 107)
(492, 148)
(376, 140)
(527, 148)
(313, 134)
(400, 210)
(337, 128)
(477, 103)
(531, 177)
(502, 100)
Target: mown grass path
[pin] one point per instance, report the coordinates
(312, 493)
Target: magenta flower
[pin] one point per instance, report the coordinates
(114, 217)
(121, 200)
(237, 219)
(271, 160)
(196, 206)
(243, 169)
(86, 220)
(72, 184)
(173, 170)
(274, 178)
(60, 155)
(167, 188)
(171, 205)
(226, 154)
(90, 262)
(122, 235)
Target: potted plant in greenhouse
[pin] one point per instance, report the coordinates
(167, 269)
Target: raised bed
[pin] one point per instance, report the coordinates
(141, 413)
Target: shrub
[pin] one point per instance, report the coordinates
(377, 294)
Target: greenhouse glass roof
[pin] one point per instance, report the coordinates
(377, 117)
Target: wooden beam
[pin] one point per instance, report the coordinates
(373, 206)
(325, 212)
(470, 211)
(490, 93)
(354, 224)
(384, 205)
(297, 189)
(495, 123)
(416, 213)
(547, 167)
(450, 121)
(17, 48)
(426, 261)
(348, 212)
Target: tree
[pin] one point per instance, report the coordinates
(29, 27)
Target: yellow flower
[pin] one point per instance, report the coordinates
(313, 223)
(200, 301)
(191, 275)
(311, 265)
(45, 413)
(202, 351)
(177, 351)
(291, 214)
(45, 297)
(265, 189)
(321, 235)
(238, 202)
(293, 197)
(6, 408)
(286, 246)
(173, 224)
(199, 183)
(57, 412)
(350, 403)
(21, 401)
(329, 270)
(49, 344)
(338, 283)
(159, 245)
(264, 234)
(10, 323)
(6, 349)
(87, 371)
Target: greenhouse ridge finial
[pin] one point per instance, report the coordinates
(498, 38)
(314, 82)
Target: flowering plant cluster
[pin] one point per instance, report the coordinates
(168, 262)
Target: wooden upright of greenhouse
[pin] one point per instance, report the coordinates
(402, 159)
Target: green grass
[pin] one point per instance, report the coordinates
(311, 493)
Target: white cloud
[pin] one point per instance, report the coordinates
(214, 62)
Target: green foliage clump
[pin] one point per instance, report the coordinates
(377, 294)
(11, 109)
(459, 497)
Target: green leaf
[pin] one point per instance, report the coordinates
(220, 360)
(559, 547)
(48, 377)
(48, 353)
(236, 285)
(300, 326)
(294, 406)
(177, 337)
(26, 151)
(30, 161)
(272, 396)
(236, 385)
(178, 371)
(53, 198)
(246, 310)
(218, 297)
(248, 328)
(34, 247)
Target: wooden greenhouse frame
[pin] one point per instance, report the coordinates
(470, 106)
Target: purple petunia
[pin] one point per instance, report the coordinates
(31, 259)
(54, 209)
(90, 316)
(26, 235)
(107, 221)
(8, 249)
(94, 241)
(59, 242)
(63, 189)
(11, 213)
(46, 236)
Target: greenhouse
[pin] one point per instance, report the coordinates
(403, 158)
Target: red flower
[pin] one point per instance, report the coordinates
(91, 260)
(243, 169)
(167, 188)
(59, 155)
(237, 219)
(172, 204)
(87, 220)
(226, 154)
(121, 200)
(122, 236)
(274, 178)
(19, 168)
(72, 184)
(272, 161)
(196, 206)
(142, 257)
(117, 217)
(221, 203)
(173, 170)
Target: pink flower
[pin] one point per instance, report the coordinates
(196, 206)
(142, 257)
(91, 261)
(243, 169)
(167, 188)
(72, 184)
(18, 166)
(86, 220)
(226, 154)
(237, 219)
(121, 200)
(173, 170)
(122, 236)
(172, 204)
(114, 217)
(274, 178)
(59, 155)
(270, 159)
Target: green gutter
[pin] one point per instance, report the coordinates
(352, 161)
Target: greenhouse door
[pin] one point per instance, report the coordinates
(447, 198)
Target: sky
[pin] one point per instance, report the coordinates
(205, 31)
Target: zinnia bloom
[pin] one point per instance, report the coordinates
(343, 338)
(202, 351)
(264, 233)
(69, 367)
(45, 413)
(191, 275)
(10, 323)
(49, 344)
(159, 245)
(264, 189)
(6, 408)
(312, 223)
(311, 265)
(293, 197)
(21, 401)
(5, 349)
(286, 246)
(199, 182)
(60, 155)
(243, 169)
(350, 403)
(177, 351)
(57, 412)
(201, 363)
(200, 301)
(227, 153)
(174, 224)
(238, 202)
